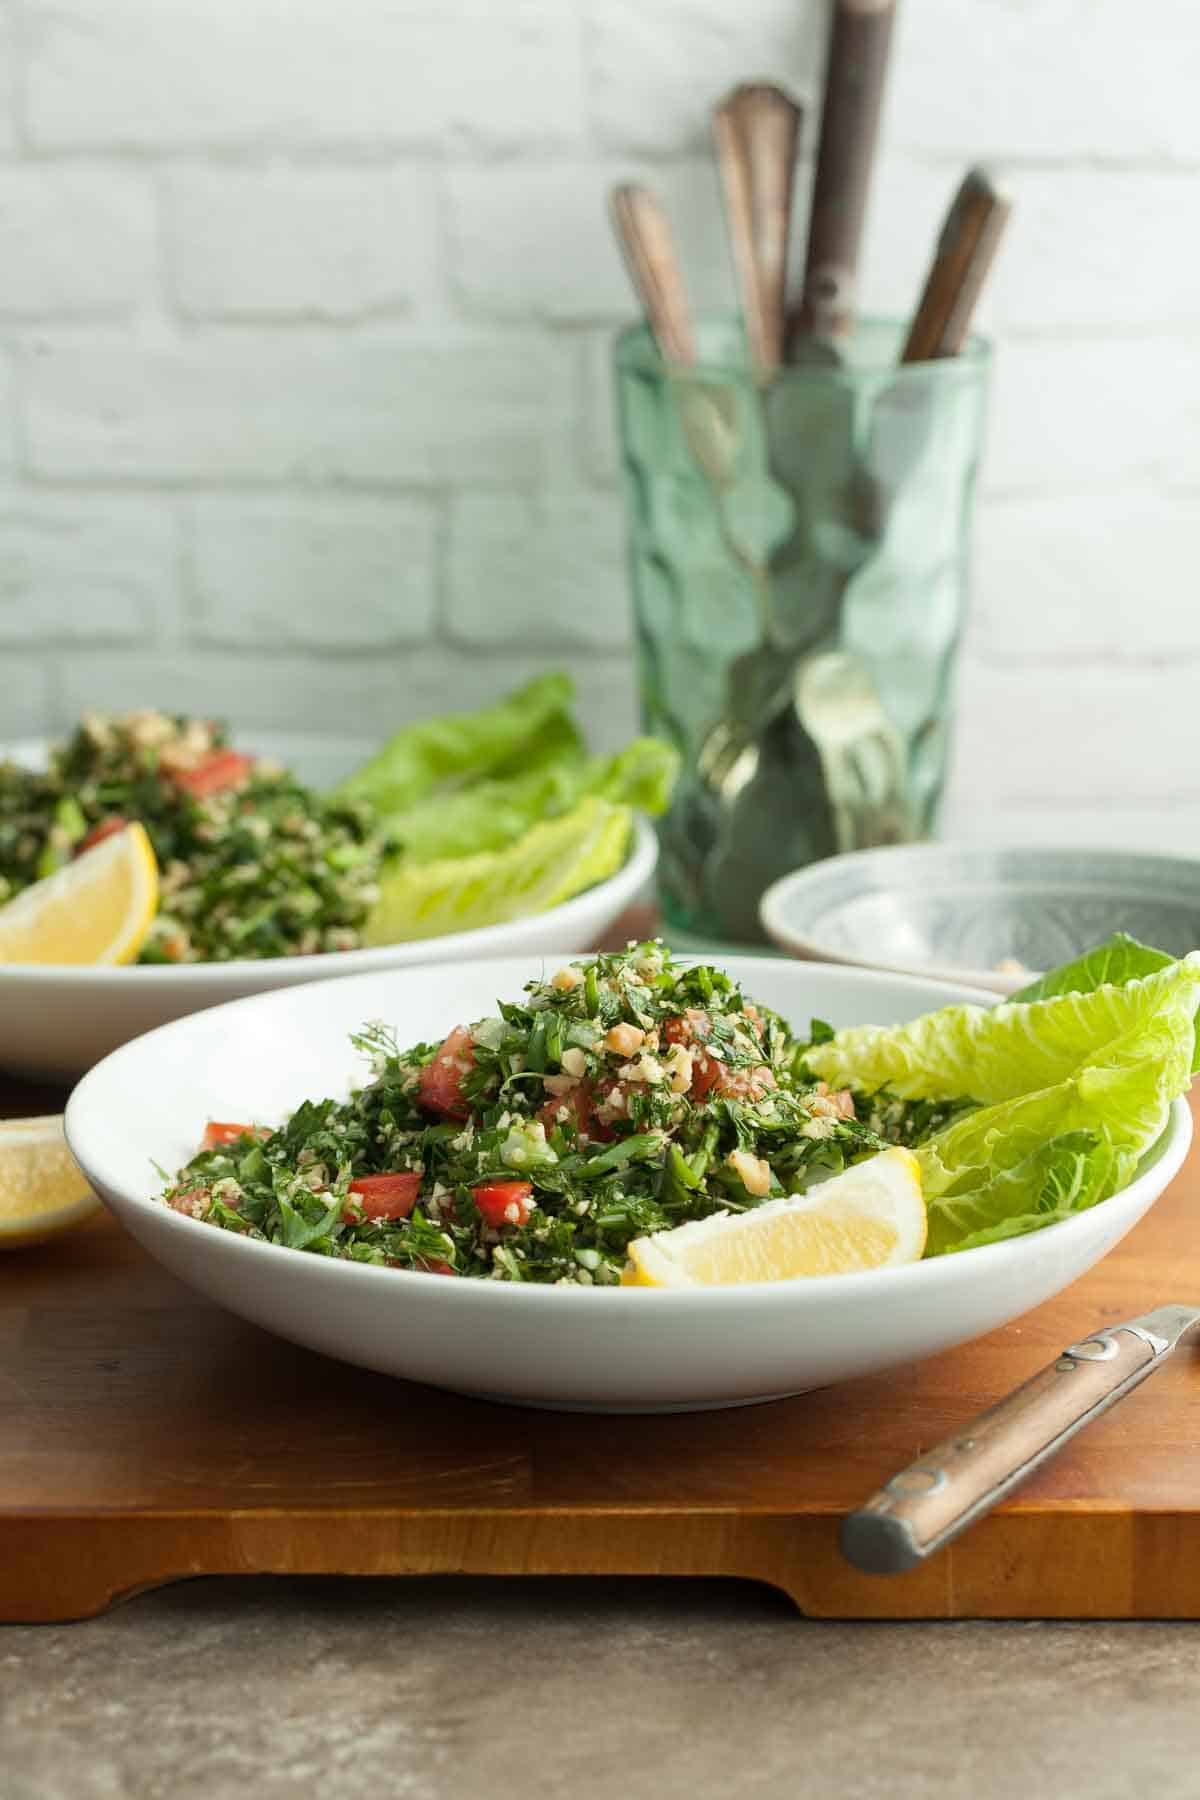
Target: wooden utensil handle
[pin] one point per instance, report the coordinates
(644, 234)
(932, 1500)
(858, 56)
(768, 121)
(739, 217)
(967, 244)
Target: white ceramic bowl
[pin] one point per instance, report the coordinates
(605, 1349)
(57, 1021)
(958, 913)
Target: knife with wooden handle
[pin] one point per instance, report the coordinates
(648, 244)
(949, 1487)
(967, 243)
(854, 78)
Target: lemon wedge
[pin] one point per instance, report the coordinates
(97, 909)
(870, 1217)
(41, 1189)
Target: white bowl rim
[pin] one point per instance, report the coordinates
(934, 1273)
(636, 870)
(772, 907)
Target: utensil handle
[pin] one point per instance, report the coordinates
(644, 234)
(966, 246)
(739, 217)
(768, 122)
(947, 1488)
(854, 78)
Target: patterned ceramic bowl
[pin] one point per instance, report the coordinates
(993, 918)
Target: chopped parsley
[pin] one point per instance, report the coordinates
(251, 862)
(626, 1095)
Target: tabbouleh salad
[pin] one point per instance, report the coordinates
(252, 862)
(625, 1095)
(630, 1093)
(454, 822)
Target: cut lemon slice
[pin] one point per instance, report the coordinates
(870, 1217)
(41, 1189)
(97, 909)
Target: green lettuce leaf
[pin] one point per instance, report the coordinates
(1117, 960)
(1106, 1064)
(642, 775)
(532, 727)
(997, 1053)
(485, 816)
(547, 864)
(1057, 1179)
(489, 815)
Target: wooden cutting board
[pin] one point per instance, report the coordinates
(146, 1436)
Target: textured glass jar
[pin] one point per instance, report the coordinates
(799, 554)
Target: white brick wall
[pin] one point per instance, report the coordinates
(336, 244)
(344, 573)
(305, 314)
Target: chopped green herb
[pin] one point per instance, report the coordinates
(574, 1146)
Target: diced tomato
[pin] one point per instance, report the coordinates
(576, 1103)
(386, 1196)
(691, 1027)
(580, 1103)
(709, 1074)
(504, 1202)
(193, 1202)
(105, 829)
(440, 1083)
(215, 773)
(217, 1134)
(423, 1268)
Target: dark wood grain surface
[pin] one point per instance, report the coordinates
(146, 1435)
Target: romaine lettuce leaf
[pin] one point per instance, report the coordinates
(485, 816)
(1105, 1064)
(531, 727)
(547, 864)
(642, 775)
(1117, 960)
(488, 815)
(1057, 1179)
(997, 1053)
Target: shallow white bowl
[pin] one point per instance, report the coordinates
(607, 1349)
(955, 912)
(57, 1021)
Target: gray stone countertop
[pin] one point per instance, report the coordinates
(447, 1689)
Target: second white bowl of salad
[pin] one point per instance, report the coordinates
(526, 1182)
(227, 872)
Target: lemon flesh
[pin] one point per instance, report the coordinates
(97, 909)
(870, 1217)
(41, 1189)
